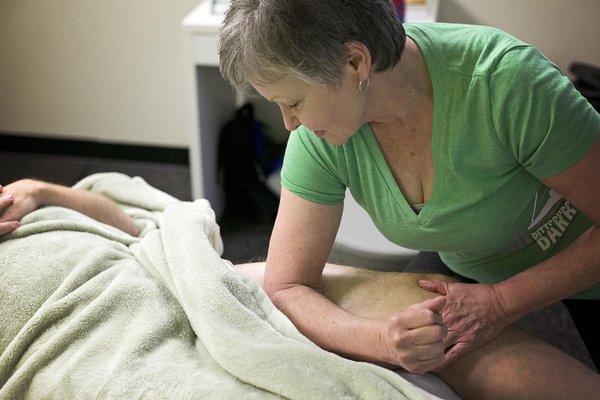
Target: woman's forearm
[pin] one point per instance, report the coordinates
(351, 308)
(91, 204)
(574, 269)
(329, 326)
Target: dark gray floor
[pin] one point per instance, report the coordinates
(67, 170)
(243, 242)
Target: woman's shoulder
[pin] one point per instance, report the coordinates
(303, 143)
(465, 34)
(463, 48)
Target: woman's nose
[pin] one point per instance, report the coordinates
(289, 119)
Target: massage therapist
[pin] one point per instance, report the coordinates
(457, 139)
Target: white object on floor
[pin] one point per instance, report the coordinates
(358, 236)
(274, 182)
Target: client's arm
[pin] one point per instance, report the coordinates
(515, 365)
(26, 195)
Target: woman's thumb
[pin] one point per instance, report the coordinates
(434, 286)
(436, 304)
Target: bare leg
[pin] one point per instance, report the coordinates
(515, 365)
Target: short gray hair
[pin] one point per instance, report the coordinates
(264, 41)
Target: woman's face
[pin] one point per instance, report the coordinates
(334, 115)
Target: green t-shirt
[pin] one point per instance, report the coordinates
(504, 118)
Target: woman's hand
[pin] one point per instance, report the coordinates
(414, 338)
(474, 314)
(17, 200)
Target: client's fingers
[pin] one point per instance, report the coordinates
(5, 201)
(7, 227)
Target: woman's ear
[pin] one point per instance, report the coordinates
(359, 58)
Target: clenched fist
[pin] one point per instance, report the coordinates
(414, 338)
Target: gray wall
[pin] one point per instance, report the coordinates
(563, 30)
(115, 70)
(109, 70)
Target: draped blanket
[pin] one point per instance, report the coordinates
(88, 311)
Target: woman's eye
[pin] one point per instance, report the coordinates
(295, 105)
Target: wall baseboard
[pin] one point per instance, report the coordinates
(89, 148)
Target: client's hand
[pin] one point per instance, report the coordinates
(414, 338)
(474, 314)
(18, 199)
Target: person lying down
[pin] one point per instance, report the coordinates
(114, 289)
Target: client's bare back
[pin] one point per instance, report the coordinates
(515, 365)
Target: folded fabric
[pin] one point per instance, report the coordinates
(88, 311)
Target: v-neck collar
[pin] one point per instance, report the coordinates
(429, 206)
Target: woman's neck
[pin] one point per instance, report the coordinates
(401, 94)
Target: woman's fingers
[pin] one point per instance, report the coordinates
(416, 335)
(420, 367)
(426, 352)
(436, 304)
(427, 335)
(413, 319)
(416, 358)
(8, 227)
(421, 314)
(420, 344)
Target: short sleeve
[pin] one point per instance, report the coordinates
(538, 114)
(309, 168)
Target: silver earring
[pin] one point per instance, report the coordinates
(360, 84)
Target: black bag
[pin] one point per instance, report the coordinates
(245, 158)
(587, 81)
